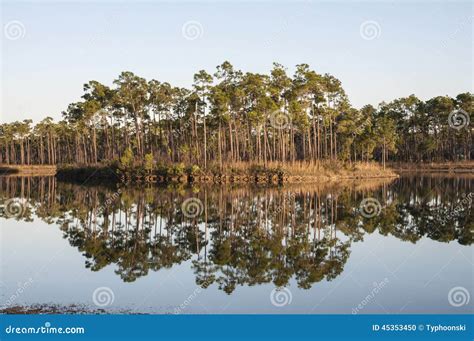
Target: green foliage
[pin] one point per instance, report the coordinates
(149, 162)
(178, 169)
(161, 169)
(230, 117)
(193, 170)
(126, 161)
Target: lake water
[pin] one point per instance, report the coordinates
(401, 246)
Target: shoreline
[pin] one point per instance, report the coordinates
(54, 309)
(434, 167)
(239, 174)
(27, 170)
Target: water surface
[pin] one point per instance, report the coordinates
(362, 247)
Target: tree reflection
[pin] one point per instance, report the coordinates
(242, 236)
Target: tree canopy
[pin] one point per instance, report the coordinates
(235, 116)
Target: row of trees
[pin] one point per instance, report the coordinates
(232, 116)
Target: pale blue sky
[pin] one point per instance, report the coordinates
(423, 48)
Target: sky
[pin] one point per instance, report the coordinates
(379, 50)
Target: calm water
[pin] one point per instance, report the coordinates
(296, 249)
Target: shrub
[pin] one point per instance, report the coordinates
(149, 163)
(178, 170)
(193, 170)
(126, 161)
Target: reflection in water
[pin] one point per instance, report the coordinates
(239, 236)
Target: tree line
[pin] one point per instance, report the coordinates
(232, 116)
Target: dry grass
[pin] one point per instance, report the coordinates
(28, 169)
(312, 170)
(435, 166)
